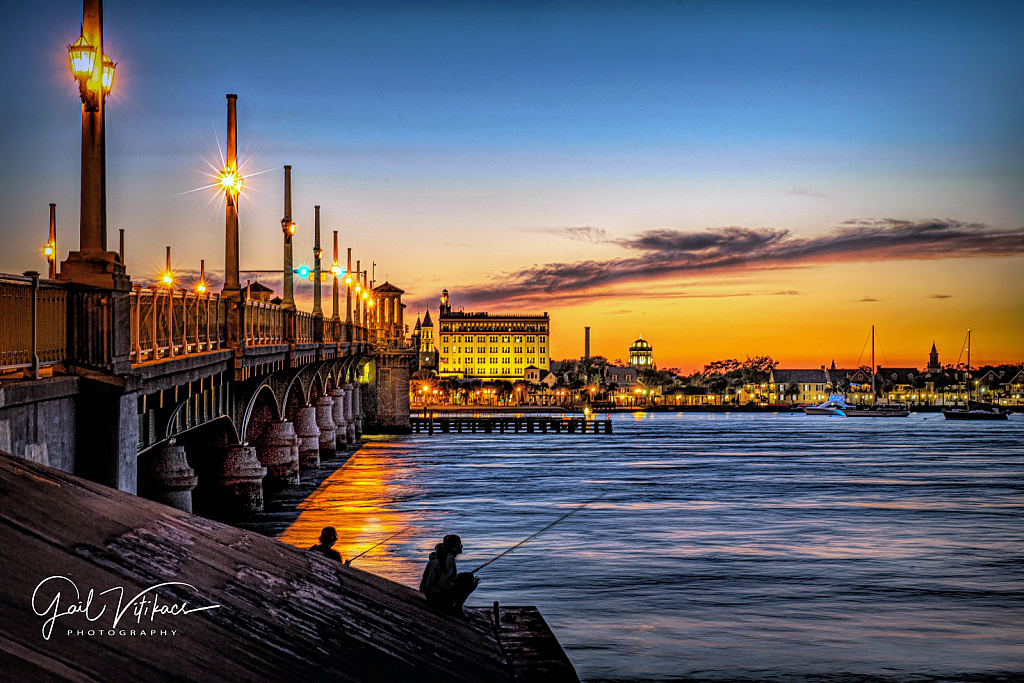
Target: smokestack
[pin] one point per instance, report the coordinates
(120, 246)
(586, 343)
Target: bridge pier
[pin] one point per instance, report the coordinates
(164, 476)
(230, 482)
(341, 426)
(278, 451)
(350, 433)
(309, 438)
(357, 408)
(325, 422)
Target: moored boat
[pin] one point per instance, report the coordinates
(837, 405)
(975, 410)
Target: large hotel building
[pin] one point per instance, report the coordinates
(490, 345)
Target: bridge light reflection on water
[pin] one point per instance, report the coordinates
(765, 547)
(358, 500)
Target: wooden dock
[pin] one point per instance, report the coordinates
(532, 424)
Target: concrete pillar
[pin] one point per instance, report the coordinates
(357, 408)
(350, 435)
(164, 476)
(325, 421)
(309, 438)
(230, 482)
(108, 437)
(341, 426)
(278, 451)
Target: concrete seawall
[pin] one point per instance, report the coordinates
(273, 612)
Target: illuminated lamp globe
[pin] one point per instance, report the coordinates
(83, 58)
(231, 180)
(108, 74)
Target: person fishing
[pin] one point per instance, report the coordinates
(443, 586)
(328, 537)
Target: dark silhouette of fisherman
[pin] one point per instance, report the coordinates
(328, 537)
(443, 586)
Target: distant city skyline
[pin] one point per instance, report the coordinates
(723, 178)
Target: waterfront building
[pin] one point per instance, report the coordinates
(798, 386)
(491, 345)
(641, 355)
(423, 342)
(620, 375)
(256, 291)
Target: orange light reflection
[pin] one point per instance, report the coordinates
(355, 500)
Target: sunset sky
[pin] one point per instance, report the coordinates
(725, 178)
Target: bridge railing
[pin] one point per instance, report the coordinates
(264, 323)
(168, 323)
(33, 324)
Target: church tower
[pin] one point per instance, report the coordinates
(425, 346)
(933, 360)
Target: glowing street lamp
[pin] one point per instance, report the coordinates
(231, 181)
(83, 59)
(50, 249)
(92, 264)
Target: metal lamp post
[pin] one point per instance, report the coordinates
(92, 264)
(288, 227)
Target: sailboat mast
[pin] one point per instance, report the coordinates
(970, 388)
(872, 365)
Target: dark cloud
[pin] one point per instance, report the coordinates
(664, 254)
(788, 292)
(868, 299)
(940, 296)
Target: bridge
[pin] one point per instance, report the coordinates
(193, 397)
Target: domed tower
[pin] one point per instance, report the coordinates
(445, 308)
(641, 354)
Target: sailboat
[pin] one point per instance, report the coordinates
(975, 410)
(837, 405)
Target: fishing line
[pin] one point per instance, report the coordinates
(571, 512)
(349, 560)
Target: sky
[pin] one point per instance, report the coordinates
(724, 178)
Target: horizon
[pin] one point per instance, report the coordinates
(723, 179)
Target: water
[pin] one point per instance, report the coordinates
(727, 547)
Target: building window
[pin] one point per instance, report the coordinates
(444, 338)
(542, 350)
(444, 349)
(494, 349)
(504, 340)
(494, 340)
(494, 361)
(530, 349)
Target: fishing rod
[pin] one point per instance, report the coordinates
(349, 560)
(571, 512)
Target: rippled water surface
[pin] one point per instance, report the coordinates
(727, 546)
